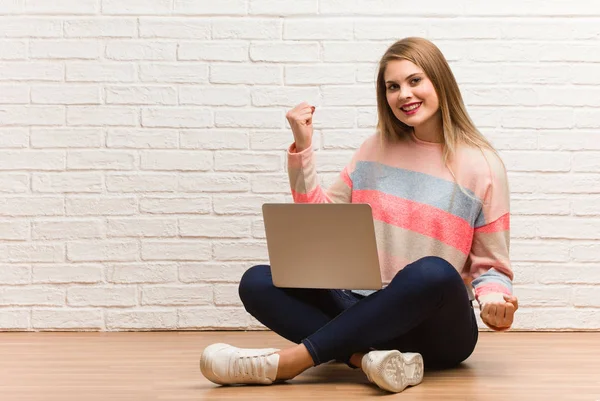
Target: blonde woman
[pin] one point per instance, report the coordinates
(440, 202)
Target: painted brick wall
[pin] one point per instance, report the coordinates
(139, 138)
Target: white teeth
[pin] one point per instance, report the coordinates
(409, 108)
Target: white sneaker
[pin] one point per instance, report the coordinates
(392, 370)
(226, 364)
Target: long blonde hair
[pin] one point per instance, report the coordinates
(458, 128)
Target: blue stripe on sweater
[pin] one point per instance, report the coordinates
(493, 276)
(419, 187)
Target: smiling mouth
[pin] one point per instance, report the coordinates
(410, 108)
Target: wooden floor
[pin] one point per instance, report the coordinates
(164, 366)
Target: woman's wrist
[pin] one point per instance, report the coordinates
(302, 146)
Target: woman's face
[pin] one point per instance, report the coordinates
(410, 94)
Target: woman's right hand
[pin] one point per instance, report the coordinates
(300, 119)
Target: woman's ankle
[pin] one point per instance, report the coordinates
(356, 360)
(293, 361)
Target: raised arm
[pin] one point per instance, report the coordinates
(302, 173)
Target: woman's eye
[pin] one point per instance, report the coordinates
(415, 80)
(392, 87)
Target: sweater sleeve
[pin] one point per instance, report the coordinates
(304, 182)
(489, 263)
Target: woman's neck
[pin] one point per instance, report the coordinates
(431, 130)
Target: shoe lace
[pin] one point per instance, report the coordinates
(250, 366)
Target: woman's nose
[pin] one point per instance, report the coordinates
(404, 93)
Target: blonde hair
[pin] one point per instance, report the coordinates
(457, 125)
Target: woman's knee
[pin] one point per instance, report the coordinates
(254, 281)
(434, 270)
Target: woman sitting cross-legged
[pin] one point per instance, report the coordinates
(440, 202)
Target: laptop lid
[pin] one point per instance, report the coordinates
(322, 245)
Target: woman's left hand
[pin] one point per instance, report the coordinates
(498, 312)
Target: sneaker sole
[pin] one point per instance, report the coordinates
(399, 365)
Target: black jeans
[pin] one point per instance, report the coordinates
(424, 309)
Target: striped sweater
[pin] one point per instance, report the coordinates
(418, 209)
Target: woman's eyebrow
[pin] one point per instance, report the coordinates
(409, 77)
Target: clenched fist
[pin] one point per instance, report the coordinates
(300, 119)
(498, 310)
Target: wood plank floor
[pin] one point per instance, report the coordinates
(164, 366)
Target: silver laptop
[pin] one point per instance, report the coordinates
(322, 246)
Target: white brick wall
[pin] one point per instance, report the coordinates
(139, 139)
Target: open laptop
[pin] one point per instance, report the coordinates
(322, 245)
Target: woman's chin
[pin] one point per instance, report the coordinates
(409, 122)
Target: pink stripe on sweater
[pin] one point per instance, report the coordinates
(418, 217)
(489, 288)
(315, 196)
(501, 224)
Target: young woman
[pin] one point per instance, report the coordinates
(440, 202)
